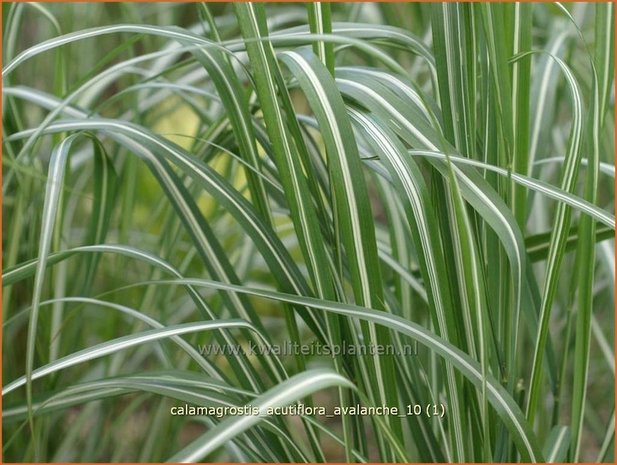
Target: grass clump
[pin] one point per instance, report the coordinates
(178, 177)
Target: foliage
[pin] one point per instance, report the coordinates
(183, 175)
